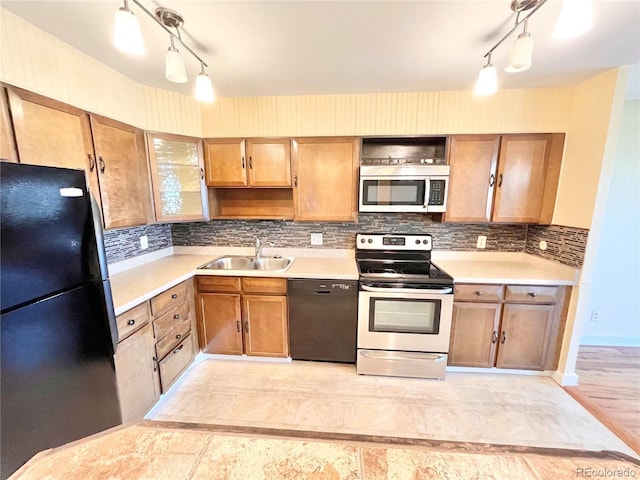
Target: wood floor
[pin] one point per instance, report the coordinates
(609, 388)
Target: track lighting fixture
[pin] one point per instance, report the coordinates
(128, 38)
(575, 19)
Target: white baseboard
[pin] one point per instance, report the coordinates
(565, 379)
(610, 341)
(501, 371)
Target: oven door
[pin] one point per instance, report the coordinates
(404, 319)
(394, 193)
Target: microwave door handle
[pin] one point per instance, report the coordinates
(407, 290)
(427, 192)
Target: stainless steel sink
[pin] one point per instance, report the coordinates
(238, 262)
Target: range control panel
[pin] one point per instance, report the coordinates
(393, 241)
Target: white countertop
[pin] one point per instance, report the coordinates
(133, 286)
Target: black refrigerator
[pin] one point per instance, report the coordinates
(58, 331)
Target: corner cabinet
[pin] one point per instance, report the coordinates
(507, 179)
(512, 326)
(325, 178)
(259, 162)
(247, 315)
(177, 178)
(112, 154)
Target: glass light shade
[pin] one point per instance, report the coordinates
(521, 52)
(487, 80)
(576, 18)
(174, 66)
(204, 89)
(126, 33)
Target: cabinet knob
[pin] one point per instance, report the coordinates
(131, 322)
(479, 293)
(176, 316)
(174, 296)
(178, 336)
(504, 337)
(532, 294)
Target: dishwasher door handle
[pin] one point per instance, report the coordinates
(322, 292)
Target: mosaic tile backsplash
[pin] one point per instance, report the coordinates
(124, 243)
(565, 244)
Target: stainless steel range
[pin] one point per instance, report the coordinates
(405, 306)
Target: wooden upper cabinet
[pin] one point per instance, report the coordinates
(269, 162)
(325, 179)
(508, 179)
(8, 151)
(473, 160)
(122, 169)
(521, 178)
(225, 162)
(177, 177)
(257, 162)
(52, 133)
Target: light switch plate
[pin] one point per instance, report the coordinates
(482, 241)
(144, 242)
(316, 239)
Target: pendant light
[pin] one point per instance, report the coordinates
(174, 65)
(204, 88)
(576, 18)
(487, 79)
(126, 33)
(521, 52)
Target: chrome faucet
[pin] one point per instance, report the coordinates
(259, 246)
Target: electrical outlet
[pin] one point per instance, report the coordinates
(316, 239)
(144, 242)
(595, 316)
(482, 241)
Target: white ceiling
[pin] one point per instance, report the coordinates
(331, 47)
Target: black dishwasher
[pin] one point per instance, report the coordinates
(323, 318)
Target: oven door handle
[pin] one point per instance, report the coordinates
(407, 290)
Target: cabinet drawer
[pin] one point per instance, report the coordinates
(167, 322)
(131, 320)
(170, 298)
(178, 333)
(218, 284)
(264, 285)
(531, 294)
(478, 293)
(175, 363)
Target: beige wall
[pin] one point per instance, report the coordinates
(533, 110)
(34, 60)
(587, 130)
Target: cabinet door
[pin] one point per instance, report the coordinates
(473, 160)
(524, 336)
(53, 134)
(325, 178)
(522, 170)
(474, 334)
(137, 374)
(221, 323)
(122, 169)
(8, 151)
(225, 163)
(177, 178)
(265, 325)
(269, 162)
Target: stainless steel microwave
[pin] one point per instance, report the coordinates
(403, 188)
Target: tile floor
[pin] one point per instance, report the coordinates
(484, 408)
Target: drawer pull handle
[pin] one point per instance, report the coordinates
(131, 322)
(500, 180)
(532, 294)
(495, 337)
(479, 293)
(492, 180)
(238, 325)
(155, 364)
(176, 316)
(102, 164)
(174, 296)
(178, 349)
(246, 327)
(250, 163)
(92, 163)
(178, 336)
(504, 337)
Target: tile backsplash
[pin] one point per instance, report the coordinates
(565, 244)
(124, 243)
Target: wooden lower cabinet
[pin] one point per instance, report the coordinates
(137, 374)
(253, 319)
(523, 331)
